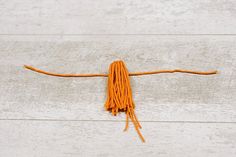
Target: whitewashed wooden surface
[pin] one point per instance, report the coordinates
(182, 115)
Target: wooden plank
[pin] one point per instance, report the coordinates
(118, 17)
(62, 139)
(164, 97)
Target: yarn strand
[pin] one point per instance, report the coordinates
(130, 74)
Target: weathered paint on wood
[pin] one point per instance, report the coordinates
(118, 17)
(105, 139)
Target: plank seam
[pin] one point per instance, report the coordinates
(117, 34)
(74, 120)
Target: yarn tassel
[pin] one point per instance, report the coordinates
(119, 95)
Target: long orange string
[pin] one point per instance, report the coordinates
(130, 74)
(119, 93)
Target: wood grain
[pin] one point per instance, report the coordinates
(118, 17)
(105, 139)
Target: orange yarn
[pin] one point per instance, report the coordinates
(119, 93)
(130, 74)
